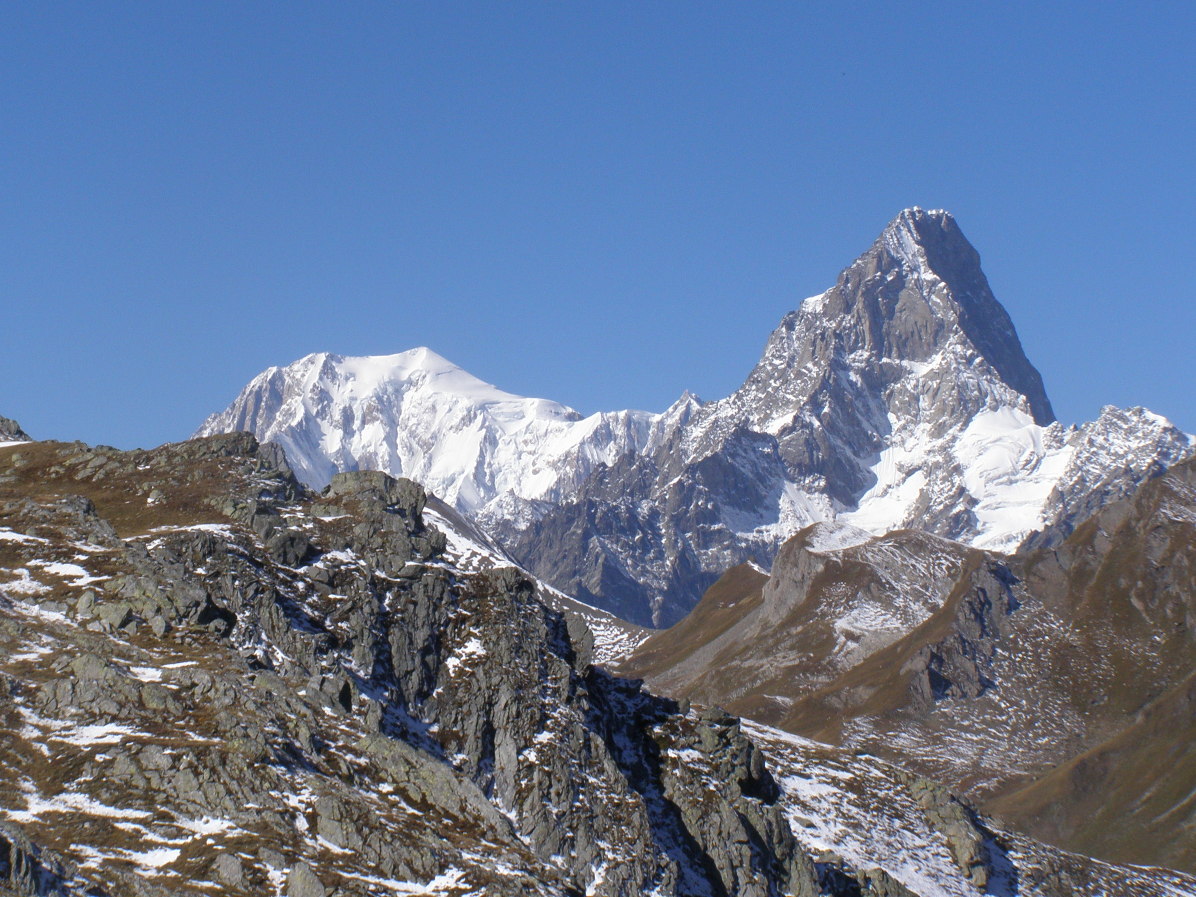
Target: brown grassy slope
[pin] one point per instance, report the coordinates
(759, 646)
(187, 476)
(732, 597)
(1128, 576)
(1133, 796)
(1107, 635)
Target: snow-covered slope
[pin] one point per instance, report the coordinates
(899, 398)
(1018, 476)
(418, 415)
(841, 805)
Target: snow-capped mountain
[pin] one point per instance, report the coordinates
(418, 415)
(899, 398)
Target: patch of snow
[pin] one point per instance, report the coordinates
(222, 528)
(35, 654)
(25, 584)
(8, 535)
(70, 802)
(471, 650)
(826, 537)
(155, 858)
(89, 735)
(853, 806)
(80, 576)
(437, 886)
(205, 826)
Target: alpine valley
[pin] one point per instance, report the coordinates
(380, 628)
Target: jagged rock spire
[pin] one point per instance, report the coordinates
(916, 291)
(932, 244)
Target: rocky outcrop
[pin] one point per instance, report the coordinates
(961, 664)
(304, 677)
(26, 870)
(10, 431)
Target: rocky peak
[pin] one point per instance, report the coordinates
(10, 431)
(924, 240)
(943, 269)
(916, 297)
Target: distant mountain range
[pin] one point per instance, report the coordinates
(898, 399)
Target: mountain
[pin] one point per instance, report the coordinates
(417, 415)
(1054, 687)
(899, 398)
(217, 681)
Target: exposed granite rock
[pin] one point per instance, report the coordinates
(26, 870)
(960, 665)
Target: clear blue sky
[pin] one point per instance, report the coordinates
(603, 203)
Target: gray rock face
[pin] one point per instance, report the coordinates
(960, 665)
(302, 882)
(26, 870)
(10, 431)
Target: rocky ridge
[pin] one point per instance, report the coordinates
(213, 680)
(268, 687)
(899, 398)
